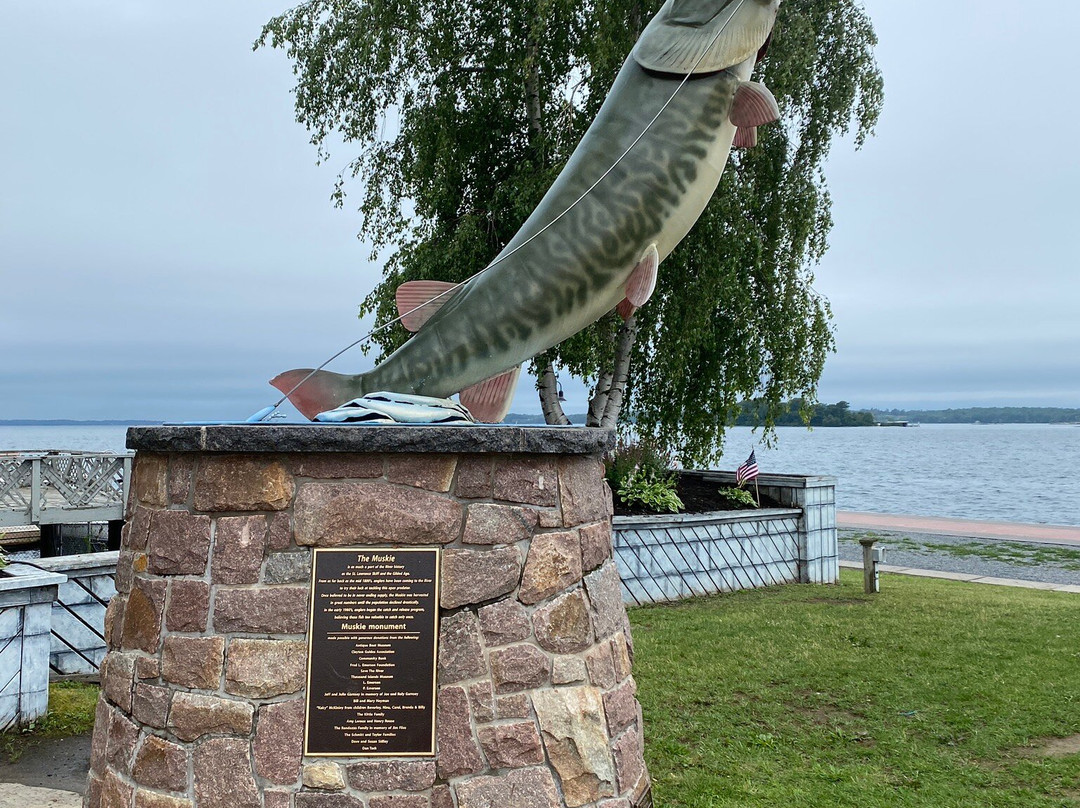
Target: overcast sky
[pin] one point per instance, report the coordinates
(167, 243)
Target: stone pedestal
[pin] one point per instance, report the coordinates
(203, 688)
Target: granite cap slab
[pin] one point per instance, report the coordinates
(277, 438)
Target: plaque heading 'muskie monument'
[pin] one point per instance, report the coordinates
(371, 653)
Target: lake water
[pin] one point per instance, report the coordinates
(1015, 473)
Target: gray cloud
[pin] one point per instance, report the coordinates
(167, 242)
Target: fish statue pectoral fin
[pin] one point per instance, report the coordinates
(418, 301)
(745, 137)
(754, 105)
(489, 401)
(640, 284)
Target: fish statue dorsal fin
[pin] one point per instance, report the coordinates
(679, 39)
(418, 301)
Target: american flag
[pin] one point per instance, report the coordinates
(748, 470)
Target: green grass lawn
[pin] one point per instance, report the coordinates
(932, 693)
(71, 712)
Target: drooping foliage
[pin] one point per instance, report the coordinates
(464, 113)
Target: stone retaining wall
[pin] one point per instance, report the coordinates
(203, 686)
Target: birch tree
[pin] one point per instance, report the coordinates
(456, 117)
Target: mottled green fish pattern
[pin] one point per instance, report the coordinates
(572, 260)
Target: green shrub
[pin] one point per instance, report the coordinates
(630, 457)
(738, 496)
(657, 493)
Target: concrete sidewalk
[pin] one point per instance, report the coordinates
(968, 528)
(966, 578)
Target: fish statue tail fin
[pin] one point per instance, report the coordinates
(323, 391)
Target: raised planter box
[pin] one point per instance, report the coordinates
(670, 557)
(26, 597)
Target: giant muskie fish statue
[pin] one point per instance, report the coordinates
(629, 193)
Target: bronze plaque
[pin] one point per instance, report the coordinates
(371, 652)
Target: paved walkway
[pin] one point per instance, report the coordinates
(963, 566)
(970, 528)
(962, 576)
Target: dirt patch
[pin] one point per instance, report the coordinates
(1058, 747)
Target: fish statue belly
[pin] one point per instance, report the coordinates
(591, 242)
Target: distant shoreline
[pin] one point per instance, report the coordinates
(71, 422)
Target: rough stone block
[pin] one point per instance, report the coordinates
(322, 799)
(241, 483)
(526, 479)
(324, 775)
(270, 610)
(122, 737)
(136, 529)
(179, 543)
(340, 466)
(148, 482)
(192, 715)
(605, 593)
(222, 775)
(188, 607)
(553, 564)
(563, 626)
(482, 701)
(567, 670)
(433, 472)
(513, 706)
(595, 545)
(585, 497)
(457, 751)
(346, 513)
(279, 741)
(115, 793)
(630, 762)
(620, 655)
(504, 622)
(474, 576)
(155, 799)
(194, 662)
(474, 477)
(487, 523)
(621, 707)
(511, 746)
(601, 666)
(460, 655)
(392, 775)
(274, 798)
(147, 667)
(519, 667)
(279, 534)
(117, 675)
(288, 568)
(150, 705)
(142, 615)
(161, 764)
(239, 546)
(399, 801)
(520, 788)
(263, 669)
(181, 471)
(575, 736)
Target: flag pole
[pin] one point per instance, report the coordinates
(757, 492)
